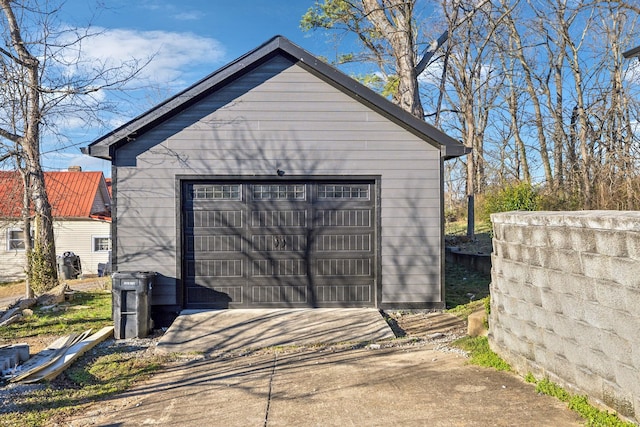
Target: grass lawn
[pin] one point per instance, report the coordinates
(108, 369)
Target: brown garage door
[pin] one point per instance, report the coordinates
(274, 244)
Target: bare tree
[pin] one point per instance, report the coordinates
(386, 30)
(44, 80)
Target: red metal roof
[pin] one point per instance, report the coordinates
(71, 194)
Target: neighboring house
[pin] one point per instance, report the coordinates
(278, 181)
(81, 208)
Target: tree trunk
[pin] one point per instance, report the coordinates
(26, 226)
(41, 260)
(394, 19)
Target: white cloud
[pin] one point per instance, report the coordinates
(172, 55)
(175, 60)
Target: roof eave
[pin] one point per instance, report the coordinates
(105, 146)
(632, 52)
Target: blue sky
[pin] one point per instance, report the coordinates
(189, 39)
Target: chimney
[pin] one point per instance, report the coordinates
(75, 169)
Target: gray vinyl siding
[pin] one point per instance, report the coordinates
(282, 116)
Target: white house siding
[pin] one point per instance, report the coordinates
(281, 116)
(12, 262)
(73, 236)
(77, 237)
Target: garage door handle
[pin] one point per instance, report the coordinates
(279, 242)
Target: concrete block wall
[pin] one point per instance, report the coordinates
(565, 301)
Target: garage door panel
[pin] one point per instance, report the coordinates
(292, 218)
(218, 297)
(343, 294)
(296, 244)
(343, 218)
(220, 219)
(285, 267)
(357, 242)
(279, 294)
(278, 242)
(214, 243)
(344, 267)
(219, 268)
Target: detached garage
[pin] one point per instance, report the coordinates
(277, 181)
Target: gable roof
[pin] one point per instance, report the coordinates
(105, 146)
(71, 194)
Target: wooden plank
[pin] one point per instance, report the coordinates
(69, 356)
(45, 357)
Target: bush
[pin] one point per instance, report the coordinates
(514, 197)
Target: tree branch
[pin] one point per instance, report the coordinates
(436, 44)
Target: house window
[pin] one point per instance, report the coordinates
(15, 240)
(101, 244)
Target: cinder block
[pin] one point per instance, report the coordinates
(530, 294)
(23, 351)
(554, 343)
(563, 326)
(540, 317)
(512, 252)
(633, 245)
(587, 380)
(514, 271)
(596, 266)
(549, 300)
(559, 238)
(510, 305)
(569, 261)
(5, 363)
(600, 364)
(628, 378)
(513, 234)
(538, 276)
(539, 237)
(580, 286)
(625, 271)
(635, 356)
(589, 336)
(530, 255)
(597, 315)
(618, 348)
(582, 239)
(499, 248)
(561, 367)
(616, 398)
(632, 301)
(541, 355)
(572, 306)
(610, 295)
(498, 230)
(10, 356)
(566, 282)
(518, 327)
(611, 243)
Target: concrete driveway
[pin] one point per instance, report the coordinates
(407, 382)
(223, 331)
